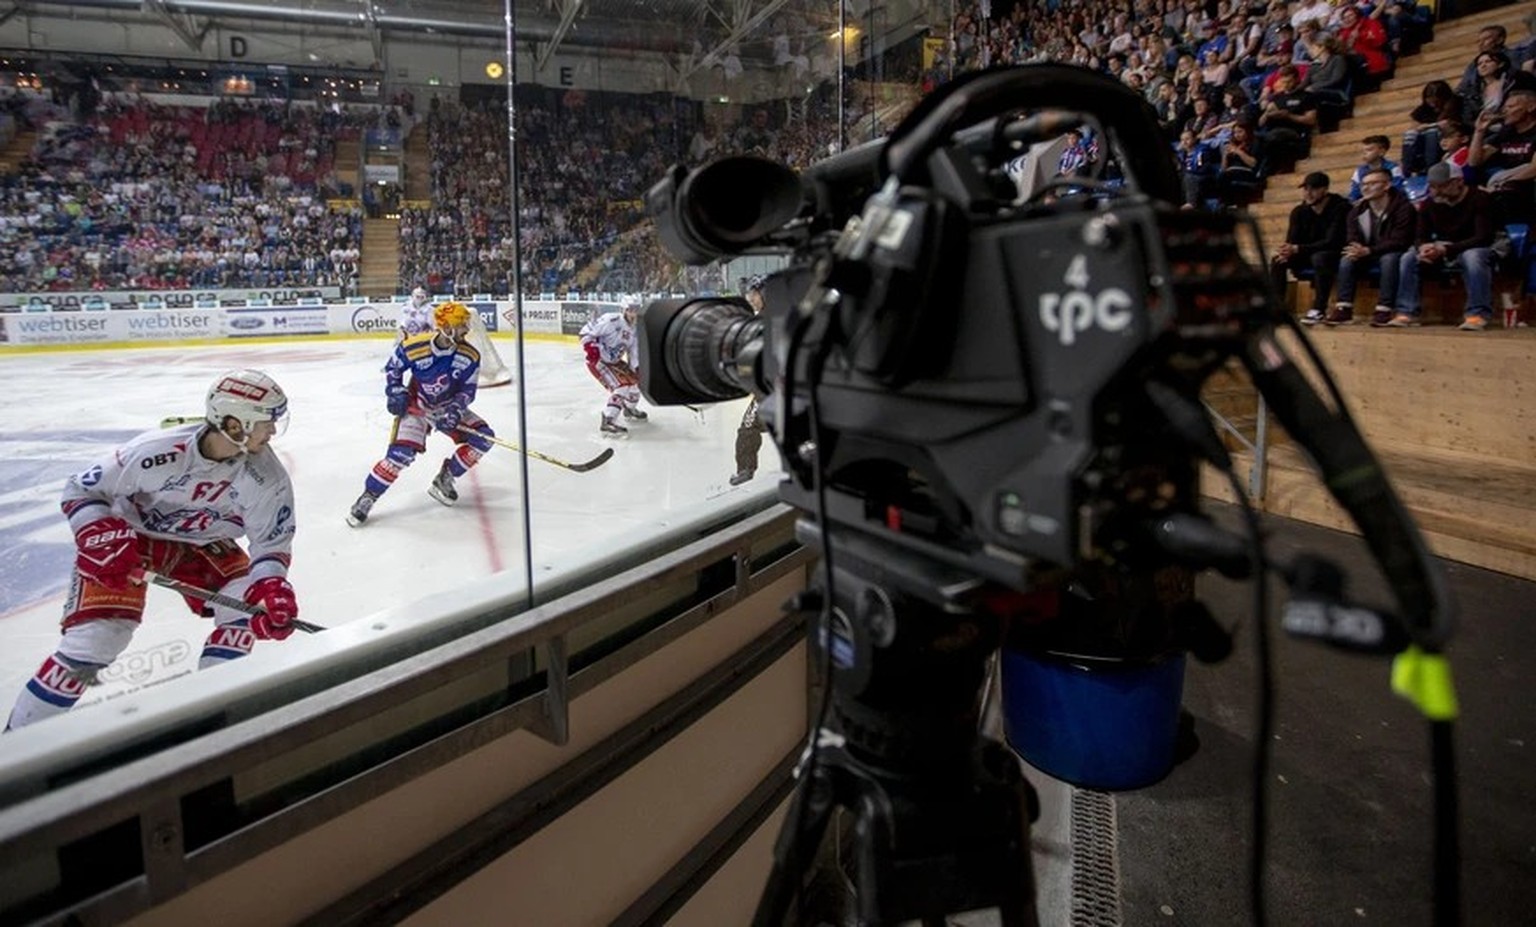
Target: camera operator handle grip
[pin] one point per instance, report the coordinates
(1354, 477)
(986, 94)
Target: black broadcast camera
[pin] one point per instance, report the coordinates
(979, 400)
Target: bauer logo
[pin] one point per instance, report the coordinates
(246, 323)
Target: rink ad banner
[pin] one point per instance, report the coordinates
(160, 299)
(285, 320)
(63, 327)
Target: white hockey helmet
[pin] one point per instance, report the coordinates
(420, 297)
(249, 397)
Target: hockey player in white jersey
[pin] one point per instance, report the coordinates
(175, 502)
(417, 316)
(608, 342)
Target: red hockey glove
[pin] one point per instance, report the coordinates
(275, 596)
(108, 552)
(594, 353)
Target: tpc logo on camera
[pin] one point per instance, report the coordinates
(1077, 310)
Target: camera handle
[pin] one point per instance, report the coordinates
(941, 814)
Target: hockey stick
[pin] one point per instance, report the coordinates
(171, 421)
(581, 467)
(217, 598)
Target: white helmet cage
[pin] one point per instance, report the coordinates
(249, 397)
(420, 297)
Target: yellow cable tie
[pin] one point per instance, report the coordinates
(1425, 680)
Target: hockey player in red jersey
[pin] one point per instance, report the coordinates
(608, 342)
(442, 370)
(175, 502)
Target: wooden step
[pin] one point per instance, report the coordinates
(1469, 510)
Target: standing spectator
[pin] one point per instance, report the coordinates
(1373, 157)
(1313, 240)
(1455, 229)
(1379, 229)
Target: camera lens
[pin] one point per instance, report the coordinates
(710, 346)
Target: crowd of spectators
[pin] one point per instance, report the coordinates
(1239, 87)
(147, 196)
(586, 160)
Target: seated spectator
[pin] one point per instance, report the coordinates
(1328, 80)
(1365, 41)
(1454, 138)
(1489, 39)
(1379, 229)
(1507, 156)
(1287, 120)
(1194, 170)
(1373, 157)
(1421, 145)
(1276, 52)
(1486, 93)
(1240, 166)
(1314, 238)
(1455, 229)
(1236, 108)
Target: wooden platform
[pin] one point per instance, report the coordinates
(1452, 415)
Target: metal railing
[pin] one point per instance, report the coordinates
(149, 804)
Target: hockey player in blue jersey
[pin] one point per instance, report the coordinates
(429, 385)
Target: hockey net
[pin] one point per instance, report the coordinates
(493, 371)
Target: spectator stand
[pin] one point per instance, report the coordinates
(1450, 413)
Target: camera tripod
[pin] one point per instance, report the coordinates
(941, 815)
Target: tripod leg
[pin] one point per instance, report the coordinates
(795, 850)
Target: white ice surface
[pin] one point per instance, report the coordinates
(69, 408)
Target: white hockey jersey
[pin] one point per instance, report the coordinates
(614, 337)
(415, 319)
(162, 485)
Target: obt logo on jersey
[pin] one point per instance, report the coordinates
(1075, 311)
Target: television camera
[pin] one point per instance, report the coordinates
(988, 410)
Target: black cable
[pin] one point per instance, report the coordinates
(1447, 832)
(1447, 838)
(823, 625)
(1265, 685)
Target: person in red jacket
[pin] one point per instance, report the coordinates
(1366, 39)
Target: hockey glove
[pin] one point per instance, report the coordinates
(396, 403)
(447, 419)
(108, 552)
(594, 353)
(275, 596)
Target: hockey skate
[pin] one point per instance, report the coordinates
(360, 509)
(612, 429)
(741, 476)
(635, 414)
(442, 486)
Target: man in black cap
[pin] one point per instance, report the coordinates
(1313, 242)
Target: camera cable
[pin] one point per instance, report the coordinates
(1189, 420)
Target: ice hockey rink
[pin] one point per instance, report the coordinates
(68, 408)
